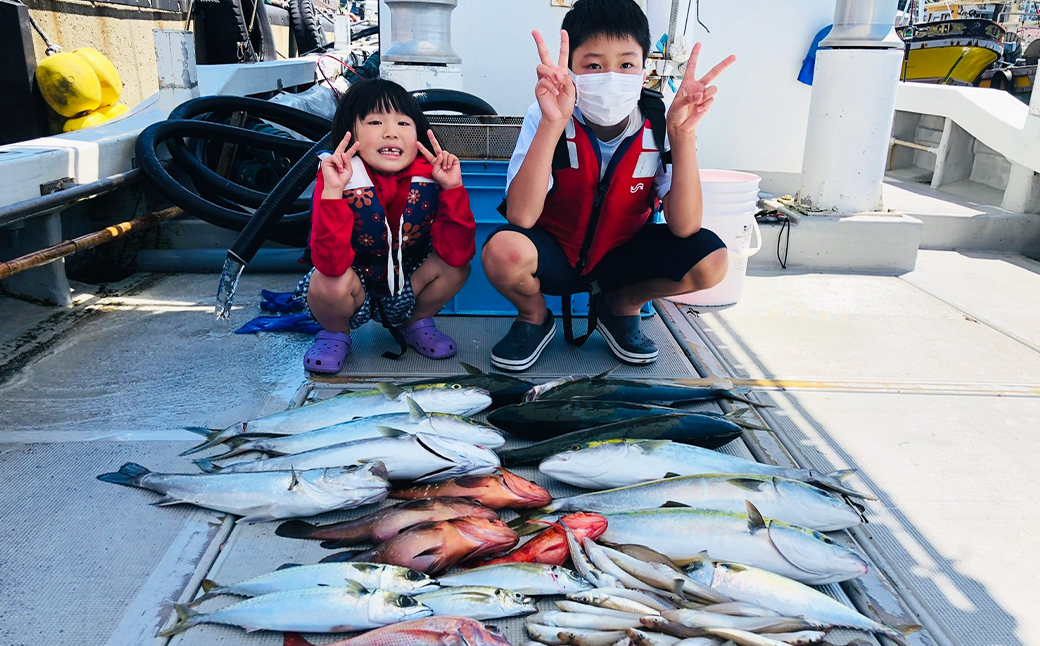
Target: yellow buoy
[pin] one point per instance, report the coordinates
(86, 121)
(113, 111)
(111, 84)
(68, 84)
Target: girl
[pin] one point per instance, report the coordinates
(392, 233)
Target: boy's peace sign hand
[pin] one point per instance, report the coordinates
(694, 96)
(555, 89)
(447, 171)
(336, 168)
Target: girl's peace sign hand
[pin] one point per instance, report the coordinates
(555, 89)
(447, 171)
(336, 168)
(694, 96)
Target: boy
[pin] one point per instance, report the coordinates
(581, 186)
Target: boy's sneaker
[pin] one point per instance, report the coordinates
(625, 339)
(523, 344)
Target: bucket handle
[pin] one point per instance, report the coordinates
(755, 233)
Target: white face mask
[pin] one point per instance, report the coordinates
(606, 98)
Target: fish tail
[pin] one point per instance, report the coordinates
(213, 438)
(186, 618)
(522, 524)
(129, 475)
(744, 400)
(296, 529)
(208, 466)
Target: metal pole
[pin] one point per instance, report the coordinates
(69, 247)
(60, 199)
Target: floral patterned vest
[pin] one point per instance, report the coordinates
(386, 258)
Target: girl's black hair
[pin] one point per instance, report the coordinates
(376, 95)
(619, 19)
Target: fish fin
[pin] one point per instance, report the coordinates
(208, 466)
(749, 484)
(521, 521)
(415, 410)
(391, 391)
(470, 481)
(649, 445)
(670, 474)
(471, 369)
(340, 557)
(833, 481)
(389, 431)
(296, 529)
(202, 430)
(295, 639)
(128, 475)
(295, 479)
(166, 501)
(186, 618)
(335, 545)
(208, 585)
(755, 521)
(780, 548)
(841, 474)
(212, 439)
(426, 477)
(607, 373)
(672, 503)
(286, 566)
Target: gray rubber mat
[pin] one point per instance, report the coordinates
(477, 335)
(88, 562)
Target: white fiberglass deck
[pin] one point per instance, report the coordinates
(116, 378)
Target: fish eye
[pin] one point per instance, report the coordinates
(414, 575)
(406, 602)
(456, 386)
(576, 447)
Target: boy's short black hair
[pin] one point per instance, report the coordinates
(376, 95)
(612, 18)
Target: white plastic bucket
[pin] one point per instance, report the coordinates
(730, 204)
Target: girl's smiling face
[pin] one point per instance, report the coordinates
(387, 141)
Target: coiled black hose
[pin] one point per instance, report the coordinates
(220, 200)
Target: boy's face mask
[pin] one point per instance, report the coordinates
(606, 98)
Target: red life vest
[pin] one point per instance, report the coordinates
(589, 216)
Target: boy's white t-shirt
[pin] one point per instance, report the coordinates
(662, 178)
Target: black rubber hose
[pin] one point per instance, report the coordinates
(452, 100)
(266, 218)
(294, 226)
(305, 123)
(205, 178)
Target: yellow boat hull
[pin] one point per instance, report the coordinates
(951, 65)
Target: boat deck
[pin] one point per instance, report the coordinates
(929, 384)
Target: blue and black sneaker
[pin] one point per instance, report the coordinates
(523, 344)
(625, 339)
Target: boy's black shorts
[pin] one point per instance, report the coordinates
(654, 252)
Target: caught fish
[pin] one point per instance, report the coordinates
(386, 398)
(791, 501)
(678, 427)
(550, 546)
(417, 421)
(435, 547)
(699, 619)
(785, 596)
(431, 631)
(526, 578)
(421, 458)
(587, 621)
(645, 638)
(265, 496)
(543, 420)
(384, 524)
(499, 490)
(682, 533)
(477, 602)
(659, 576)
(371, 576)
(319, 610)
(624, 600)
(558, 635)
(504, 389)
(609, 388)
(624, 462)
